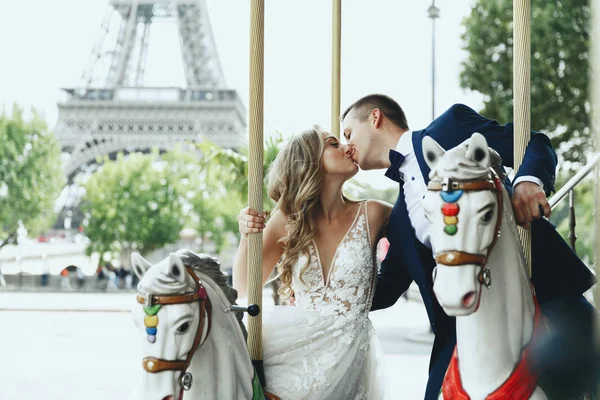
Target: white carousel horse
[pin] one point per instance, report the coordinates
(194, 344)
(474, 236)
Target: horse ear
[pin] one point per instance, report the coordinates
(432, 151)
(139, 265)
(478, 150)
(176, 267)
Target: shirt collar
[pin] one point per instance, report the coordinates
(405, 144)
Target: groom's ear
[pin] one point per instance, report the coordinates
(377, 117)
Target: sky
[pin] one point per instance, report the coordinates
(386, 48)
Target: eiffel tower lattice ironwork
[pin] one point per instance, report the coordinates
(110, 110)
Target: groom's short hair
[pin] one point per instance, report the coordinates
(385, 104)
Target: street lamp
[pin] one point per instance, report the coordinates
(434, 13)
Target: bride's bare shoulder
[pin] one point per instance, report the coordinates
(379, 213)
(379, 209)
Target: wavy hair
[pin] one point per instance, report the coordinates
(295, 181)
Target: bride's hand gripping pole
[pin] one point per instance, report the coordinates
(255, 180)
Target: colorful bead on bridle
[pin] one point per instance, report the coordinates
(151, 321)
(450, 210)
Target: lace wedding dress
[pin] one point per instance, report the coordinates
(324, 347)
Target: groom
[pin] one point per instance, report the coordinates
(378, 136)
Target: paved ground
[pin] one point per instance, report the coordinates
(92, 354)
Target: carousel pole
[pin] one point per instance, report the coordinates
(335, 66)
(255, 179)
(522, 98)
(595, 94)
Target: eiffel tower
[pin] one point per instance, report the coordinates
(111, 110)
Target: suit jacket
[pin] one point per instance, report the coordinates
(556, 269)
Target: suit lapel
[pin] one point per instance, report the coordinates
(404, 237)
(417, 139)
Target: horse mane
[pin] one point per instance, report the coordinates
(210, 266)
(164, 284)
(497, 164)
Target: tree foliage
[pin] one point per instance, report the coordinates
(232, 167)
(132, 204)
(560, 43)
(584, 217)
(211, 207)
(142, 202)
(226, 174)
(30, 175)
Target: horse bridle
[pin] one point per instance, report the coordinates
(154, 365)
(454, 258)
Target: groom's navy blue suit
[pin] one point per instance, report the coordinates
(557, 271)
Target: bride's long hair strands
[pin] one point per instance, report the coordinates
(295, 181)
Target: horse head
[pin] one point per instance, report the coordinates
(180, 298)
(464, 205)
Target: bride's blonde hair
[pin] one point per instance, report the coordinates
(295, 181)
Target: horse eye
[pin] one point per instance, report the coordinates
(183, 327)
(487, 217)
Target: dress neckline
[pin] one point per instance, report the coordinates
(325, 282)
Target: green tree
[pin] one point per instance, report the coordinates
(214, 184)
(232, 167)
(560, 42)
(208, 203)
(132, 205)
(30, 175)
(584, 217)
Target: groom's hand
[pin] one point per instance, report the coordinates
(529, 202)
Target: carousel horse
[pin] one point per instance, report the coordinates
(192, 332)
(480, 276)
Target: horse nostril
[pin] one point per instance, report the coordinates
(169, 397)
(468, 299)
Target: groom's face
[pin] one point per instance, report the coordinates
(359, 137)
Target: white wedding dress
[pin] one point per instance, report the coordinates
(324, 347)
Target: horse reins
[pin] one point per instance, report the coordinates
(154, 365)
(454, 258)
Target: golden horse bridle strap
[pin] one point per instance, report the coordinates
(154, 365)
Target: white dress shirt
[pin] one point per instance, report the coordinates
(415, 188)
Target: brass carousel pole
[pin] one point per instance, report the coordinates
(522, 97)
(335, 66)
(255, 179)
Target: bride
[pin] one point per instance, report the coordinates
(323, 244)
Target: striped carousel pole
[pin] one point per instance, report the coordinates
(336, 46)
(522, 97)
(255, 179)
